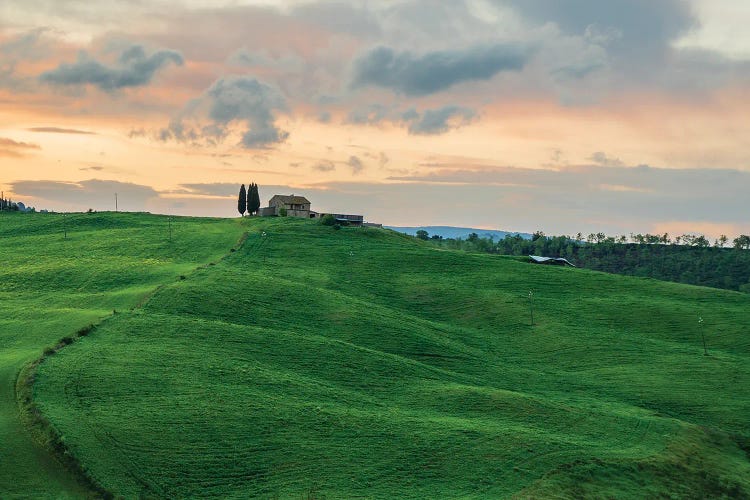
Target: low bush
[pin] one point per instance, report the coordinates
(85, 330)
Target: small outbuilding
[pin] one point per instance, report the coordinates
(553, 261)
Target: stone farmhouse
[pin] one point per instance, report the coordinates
(299, 206)
(296, 206)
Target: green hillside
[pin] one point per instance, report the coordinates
(314, 363)
(51, 286)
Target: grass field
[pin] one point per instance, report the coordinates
(51, 286)
(359, 363)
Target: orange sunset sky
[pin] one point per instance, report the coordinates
(556, 115)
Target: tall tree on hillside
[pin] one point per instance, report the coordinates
(253, 199)
(242, 201)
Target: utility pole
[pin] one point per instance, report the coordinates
(115, 202)
(703, 335)
(531, 306)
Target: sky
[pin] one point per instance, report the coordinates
(565, 116)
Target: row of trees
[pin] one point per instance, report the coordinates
(7, 204)
(249, 200)
(685, 259)
(692, 240)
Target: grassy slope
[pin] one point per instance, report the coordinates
(363, 363)
(51, 287)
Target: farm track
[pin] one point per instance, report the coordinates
(23, 462)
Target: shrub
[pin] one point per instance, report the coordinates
(337, 226)
(48, 351)
(328, 220)
(282, 212)
(85, 330)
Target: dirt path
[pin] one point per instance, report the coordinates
(26, 469)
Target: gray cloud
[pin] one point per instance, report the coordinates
(438, 121)
(286, 62)
(15, 149)
(428, 122)
(355, 164)
(134, 69)
(10, 143)
(92, 193)
(637, 34)
(637, 24)
(57, 130)
(338, 17)
(29, 46)
(601, 158)
(419, 75)
(369, 115)
(224, 189)
(233, 99)
(324, 166)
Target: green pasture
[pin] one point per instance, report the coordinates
(52, 285)
(359, 363)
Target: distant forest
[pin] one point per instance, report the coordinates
(686, 259)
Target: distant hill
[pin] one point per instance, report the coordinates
(458, 232)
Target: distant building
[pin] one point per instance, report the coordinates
(559, 261)
(352, 220)
(299, 206)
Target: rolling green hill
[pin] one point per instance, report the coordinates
(52, 286)
(314, 363)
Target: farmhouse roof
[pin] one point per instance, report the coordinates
(291, 199)
(550, 260)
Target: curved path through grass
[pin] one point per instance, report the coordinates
(51, 286)
(26, 469)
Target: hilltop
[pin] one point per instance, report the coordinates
(300, 360)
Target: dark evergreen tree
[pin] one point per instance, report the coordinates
(253, 199)
(242, 201)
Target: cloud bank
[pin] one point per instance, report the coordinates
(424, 74)
(134, 68)
(232, 100)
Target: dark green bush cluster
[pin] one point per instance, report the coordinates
(85, 330)
(328, 220)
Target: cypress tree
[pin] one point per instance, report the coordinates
(253, 199)
(242, 201)
(250, 198)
